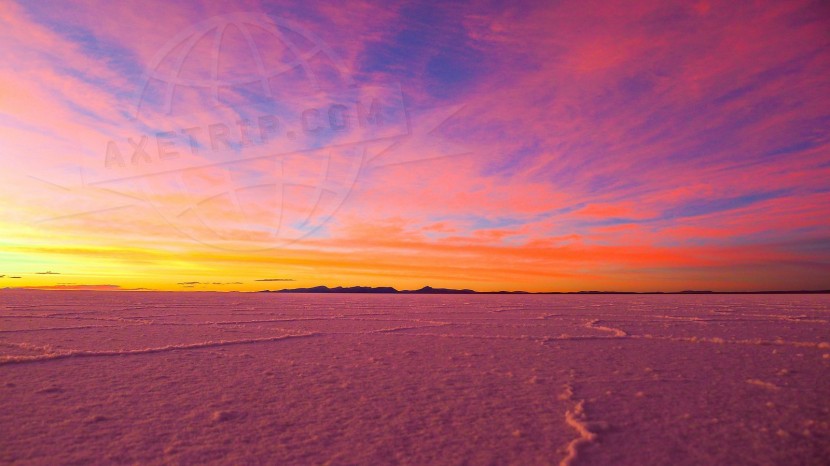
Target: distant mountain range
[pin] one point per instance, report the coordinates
(378, 290)
(431, 290)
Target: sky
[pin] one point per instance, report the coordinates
(541, 146)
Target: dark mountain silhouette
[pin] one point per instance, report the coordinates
(369, 289)
(338, 289)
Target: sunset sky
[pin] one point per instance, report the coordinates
(541, 146)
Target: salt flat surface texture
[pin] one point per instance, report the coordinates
(210, 378)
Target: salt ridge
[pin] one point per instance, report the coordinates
(80, 353)
(575, 418)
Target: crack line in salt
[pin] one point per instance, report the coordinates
(575, 418)
(82, 353)
(593, 324)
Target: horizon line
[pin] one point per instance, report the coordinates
(323, 289)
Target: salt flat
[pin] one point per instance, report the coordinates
(232, 378)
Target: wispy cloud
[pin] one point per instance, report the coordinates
(208, 283)
(76, 287)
